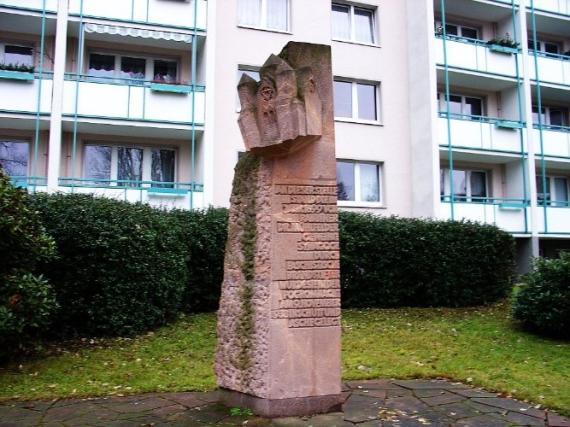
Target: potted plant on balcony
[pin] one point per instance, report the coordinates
(17, 72)
(503, 44)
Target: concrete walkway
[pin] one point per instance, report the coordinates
(386, 403)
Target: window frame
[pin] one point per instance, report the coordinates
(149, 66)
(541, 45)
(553, 200)
(460, 27)
(146, 167)
(445, 192)
(3, 45)
(241, 68)
(262, 26)
(352, 26)
(354, 103)
(547, 111)
(22, 141)
(357, 190)
(443, 104)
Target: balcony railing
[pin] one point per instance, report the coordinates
(508, 214)
(132, 99)
(557, 6)
(157, 12)
(552, 68)
(555, 140)
(480, 132)
(554, 219)
(37, 5)
(477, 55)
(181, 195)
(20, 92)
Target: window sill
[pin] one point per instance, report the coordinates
(269, 30)
(358, 122)
(357, 43)
(366, 205)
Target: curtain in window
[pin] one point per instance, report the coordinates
(364, 25)
(14, 157)
(97, 164)
(130, 166)
(277, 14)
(162, 168)
(369, 183)
(341, 21)
(367, 102)
(249, 12)
(459, 184)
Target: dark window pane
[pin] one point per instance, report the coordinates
(442, 182)
(367, 102)
(14, 157)
(451, 30)
(345, 180)
(470, 33)
(342, 99)
(369, 182)
(557, 117)
(530, 44)
(133, 68)
(101, 65)
(165, 71)
(473, 106)
(18, 55)
(130, 166)
(543, 191)
(97, 164)
(561, 190)
(478, 185)
(163, 163)
(551, 48)
(364, 25)
(340, 21)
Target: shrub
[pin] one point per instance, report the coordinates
(121, 268)
(391, 262)
(543, 303)
(204, 234)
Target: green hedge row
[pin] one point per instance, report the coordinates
(124, 268)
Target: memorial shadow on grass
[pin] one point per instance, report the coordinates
(477, 346)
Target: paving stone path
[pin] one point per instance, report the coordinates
(385, 403)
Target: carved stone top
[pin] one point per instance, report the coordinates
(281, 113)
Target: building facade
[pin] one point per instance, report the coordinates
(443, 108)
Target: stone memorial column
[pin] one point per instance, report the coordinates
(279, 319)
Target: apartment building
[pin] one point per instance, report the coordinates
(443, 108)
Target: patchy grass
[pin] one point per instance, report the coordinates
(478, 346)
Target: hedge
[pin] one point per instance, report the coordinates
(393, 262)
(27, 301)
(121, 267)
(543, 303)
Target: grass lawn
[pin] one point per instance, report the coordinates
(477, 346)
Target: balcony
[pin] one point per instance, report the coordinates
(555, 140)
(480, 133)
(169, 195)
(51, 5)
(554, 219)
(556, 6)
(508, 214)
(20, 92)
(476, 55)
(165, 13)
(133, 100)
(552, 68)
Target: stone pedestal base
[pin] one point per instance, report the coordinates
(274, 408)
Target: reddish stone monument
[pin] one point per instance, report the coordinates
(279, 319)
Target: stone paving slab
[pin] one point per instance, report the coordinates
(379, 403)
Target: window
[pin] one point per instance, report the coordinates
(127, 166)
(358, 182)
(132, 70)
(353, 23)
(550, 116)
(468, 185)
(268, 14)
(356, 101)
(14, 157)
(469, 106)
(16, 55)
(458, 30)
(545, 47)
(250, 71)
(553, 190)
